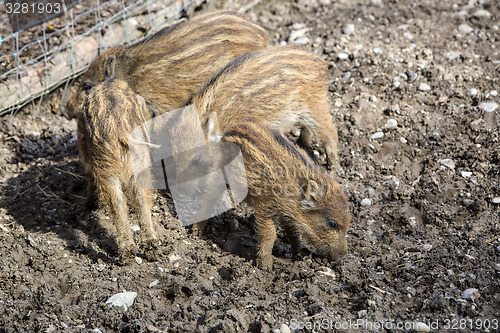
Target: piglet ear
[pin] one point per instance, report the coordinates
(312, 194)
(109, 66)
(213, 129)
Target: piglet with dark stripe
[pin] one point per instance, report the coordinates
(108, 115)
(168, 68)
(285, 186)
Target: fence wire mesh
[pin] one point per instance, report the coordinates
(38, 59)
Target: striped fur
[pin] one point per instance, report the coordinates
(109, 114)
(286, 187)
(285, 86)
(168, 68)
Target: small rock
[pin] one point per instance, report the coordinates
(424, 87)
(123, 300)
(302, 41)
(342, 56)
(377, 50)
(403, 140)
(391, 123)
(427, 247)
(452, 55)
(327, 272)
(465, 28)
(447, 162)
(408, 35)
(473, 92)
(346, 76)
(421, 327)
(370, 222)
(376, 2)
(296, 34)
(488, 106)
(466, 174)
(494, 93)
(348, 29)
(470, 294)
(482, 13)
(284, 328)
(498, 248)
(377, 135)
(173, 257)
(413, 77)
(396, 82)
(373, 99)
(366, 202)
(138, 260)
(496, 201)
(413, 221)
(153, 284)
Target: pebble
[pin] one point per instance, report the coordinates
(377, 135)
(173, 257)
(138, 260)
(366, 202)
(413, 221)
(488, 106)
(427, 247)
(296, 34)
(403, 140)
(413, 77)
(424, 87)
(284, 328)
(473, 92)
(465, 28)
(396, 82)
(496, 201)
(391, 123)
(448, 162)
(498, 248)
(346, 76)
(421, 327)
(123, 300)
(342, 56)
(470, 294)
(452, 55)
(153, 284)
(494, 93)
(482, 13)
(466, 174)
(348, 29)
(373, 99)
(302, 41)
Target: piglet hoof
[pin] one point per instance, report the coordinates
(125, 256)
(264, 263)
(151, 250)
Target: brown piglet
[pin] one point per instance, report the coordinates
(108, 115)
(284, 186)
(168, 68)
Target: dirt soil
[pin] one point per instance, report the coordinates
(428, 233)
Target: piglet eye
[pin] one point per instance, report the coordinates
(332, 224)
(87, 86)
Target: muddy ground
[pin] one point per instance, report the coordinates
(429, 233)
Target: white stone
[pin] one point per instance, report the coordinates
(342, 56)
(391, 123)
(494, 93)
(473, 92)
(465, 28)
(296, 34)
(447, 162)
(366, 202)
(471, 293)
(123, 300)
(496, 200)
(466, 174)
(403, 140)
(452, 55)
(302, 41)
(138, 260)
(377, 135)
(488, 106)
(153, 284)
(482, 13)
(348, 29)
(284, 328)
(173, 257)
(424, 87)
(421, 327)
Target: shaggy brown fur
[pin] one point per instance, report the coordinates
(168, 68)
(285, 86)
(286, 186)
(109, 114)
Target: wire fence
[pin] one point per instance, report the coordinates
(50, 53)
